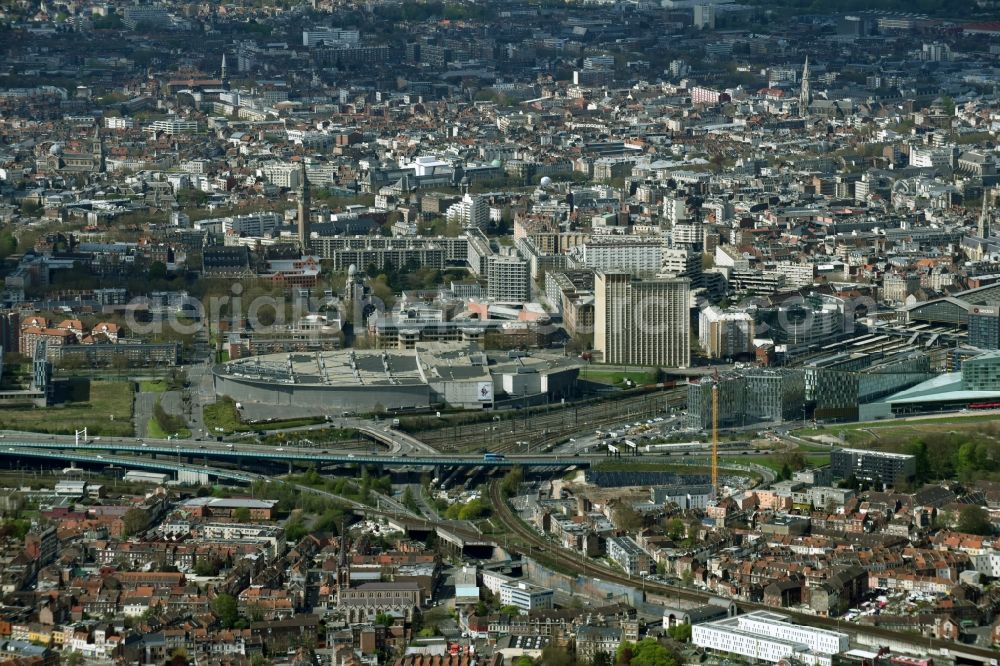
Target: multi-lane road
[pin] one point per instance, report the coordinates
(404, 450)
(240, 453)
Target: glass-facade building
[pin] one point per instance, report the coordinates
(747, 396)
(732, 404)
(837, 386)
(982, 373)
(893, 375)
(775, 394)
(878, 466)
(984, 327)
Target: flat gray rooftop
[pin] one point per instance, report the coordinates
(330, 368)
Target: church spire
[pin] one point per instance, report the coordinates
(805, 94)
(304, 210)
(343, 564)
(224, 72)
(97, 149)
(984, 214)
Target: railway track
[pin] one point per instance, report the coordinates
(578, 562)
(541, 429)
(587, 567)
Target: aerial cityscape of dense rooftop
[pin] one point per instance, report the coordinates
(500, 332)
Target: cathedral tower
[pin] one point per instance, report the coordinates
(805, 94)
(304, 210)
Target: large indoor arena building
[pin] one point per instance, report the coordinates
(432, 374)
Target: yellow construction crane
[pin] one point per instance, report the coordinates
(715, 436)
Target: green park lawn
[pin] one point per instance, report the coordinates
(154, 431)
(153, 386)
(222, 414)
(103, 408)
(603, 376)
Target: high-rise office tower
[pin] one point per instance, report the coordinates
(642, 322)
(10, 331)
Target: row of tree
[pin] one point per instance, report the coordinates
(170, 424)
(472, 510)
(647, 652)
(963, 455)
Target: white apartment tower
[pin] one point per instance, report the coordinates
(470, 212)
(675, 210)
(689, 235)
(508, 278)
(704, 17)
(725, 334)
(327, 36)
(642, 322)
